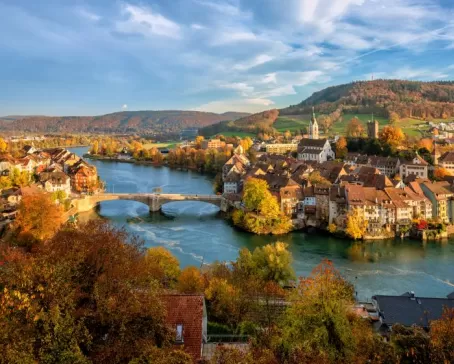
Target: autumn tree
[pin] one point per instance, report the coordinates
(3, 146)
(190, 281)
(38, 218)
(316, 325)
(264, 215)
(426, 143)
(84, 296)
(273, 262)
(341, 147)
(315, 178)
(442, 337)
(95, 148)
(440, 173)
(354, 128)
(391, 135)
(356, 224)
(163, 266)
(393, 117)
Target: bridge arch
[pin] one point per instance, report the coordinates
(152, 200)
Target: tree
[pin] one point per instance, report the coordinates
(356, 224)
(317, 325)
(393, 117)
(341, 147)
(264, 215)
(198, 140)
(84, 296)
(163, 356)
(354, 128)
(255, 191)
(315, 178)
(190, 281)
(442, 337)
(392, 136)
(38, 217)
(95, 148)
(273, 262)
(440, 173)
(426, 143)
(3, 146)
(163, 266)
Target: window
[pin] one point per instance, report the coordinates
(179, 334)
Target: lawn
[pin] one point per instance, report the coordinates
(160, 145)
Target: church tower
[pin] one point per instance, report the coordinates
(313, 126)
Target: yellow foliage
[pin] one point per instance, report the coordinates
(332, 228)
(392, 135)
(356, 224)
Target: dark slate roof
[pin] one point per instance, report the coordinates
(311, 143)
(410, 311)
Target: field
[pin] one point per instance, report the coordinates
(160, 145)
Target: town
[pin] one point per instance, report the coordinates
(319, 184)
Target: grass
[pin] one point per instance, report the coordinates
(160, 145)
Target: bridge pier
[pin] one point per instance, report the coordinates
(154, 204)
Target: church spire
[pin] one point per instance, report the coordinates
(313, 126)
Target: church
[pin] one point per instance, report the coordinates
(313, 148)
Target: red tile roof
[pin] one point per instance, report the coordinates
(187, 310)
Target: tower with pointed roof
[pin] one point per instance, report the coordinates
(313, 126)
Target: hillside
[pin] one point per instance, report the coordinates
(254, 123)
(167, 121)
(409, 99)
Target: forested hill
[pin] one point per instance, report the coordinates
(254, 123)
(167, 121)
(407, 98)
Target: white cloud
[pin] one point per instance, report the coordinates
(231, 36)
(256, 61)
(87, 14)
(241, 87)
(124, 107)
(143, 20)
(196, 26)
(246, 105)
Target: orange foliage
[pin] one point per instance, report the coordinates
(190, 281)
(441, 172)
(38, 218)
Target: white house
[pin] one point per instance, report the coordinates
(417, 166)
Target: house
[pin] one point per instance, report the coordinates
(232, 183)
(337, 205)
(29, 149)
(409, 310)
(318, 150)
(388, 166)
(446, 160)
(287, 192)
(281, 148)
(187, 316)
(56, 181)
(212, 144)
(417, 166)
(235, 161)
(84, 177)
(331, 170)
(441, 196)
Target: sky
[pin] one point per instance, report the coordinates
(91, 57)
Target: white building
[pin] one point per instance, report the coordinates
(417, 166)
(318, 150)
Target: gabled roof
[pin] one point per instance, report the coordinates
(312, 143)
(409, 310)
(187, 310)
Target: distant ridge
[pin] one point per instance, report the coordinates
(165, 121)
(407, 98)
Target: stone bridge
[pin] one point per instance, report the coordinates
(153, 200)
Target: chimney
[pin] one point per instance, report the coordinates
(412, 295)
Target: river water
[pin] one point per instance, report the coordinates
(194, 233)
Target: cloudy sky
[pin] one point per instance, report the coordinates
(87, 57)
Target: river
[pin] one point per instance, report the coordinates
(194, 233)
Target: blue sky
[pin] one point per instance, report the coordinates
(89, 57)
